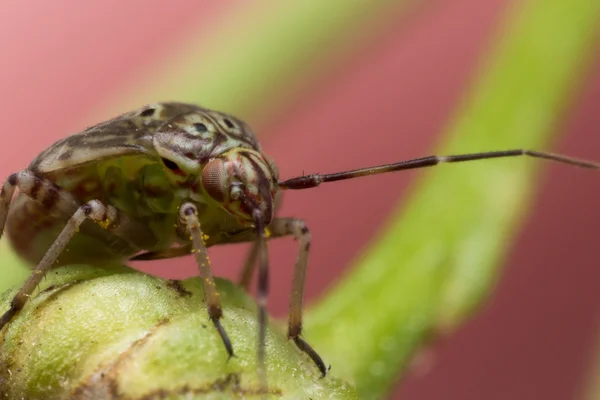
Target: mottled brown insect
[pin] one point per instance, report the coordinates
(167, 180)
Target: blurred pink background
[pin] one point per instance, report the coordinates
(533, 340)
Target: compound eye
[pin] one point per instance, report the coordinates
(213, 179)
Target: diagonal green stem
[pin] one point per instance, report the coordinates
(439, 255)
(241, 66)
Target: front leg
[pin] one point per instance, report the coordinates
(250, 264)
(298, 229)
(188, 215)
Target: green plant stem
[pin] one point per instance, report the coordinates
(438, 257)
(264, 52)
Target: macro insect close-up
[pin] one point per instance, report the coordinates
(168, 180)
(201, 244)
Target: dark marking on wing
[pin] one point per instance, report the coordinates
(132, 133)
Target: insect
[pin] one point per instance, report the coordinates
(167, 180)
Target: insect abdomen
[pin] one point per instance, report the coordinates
(135, 186)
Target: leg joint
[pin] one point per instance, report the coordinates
(18, 301)
(215, 311)
(294, 331)
(298, 228)
(94, 209)
(187, 210)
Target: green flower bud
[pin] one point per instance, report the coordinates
(114, 333)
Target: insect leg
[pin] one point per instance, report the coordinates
(93, 210)
(188, 213)
(262, 293)
(298, 229)
(249, 265)
(285, 227)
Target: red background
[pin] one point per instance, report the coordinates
(533, 339)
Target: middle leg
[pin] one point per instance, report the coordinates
(298, 229)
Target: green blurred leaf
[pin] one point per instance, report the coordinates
(264, 52)
(14, 270)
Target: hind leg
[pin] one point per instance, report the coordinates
(118, 227)
(93, 210)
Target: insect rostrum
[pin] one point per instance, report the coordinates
(167, 180)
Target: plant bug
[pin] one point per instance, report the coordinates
(167, 180)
